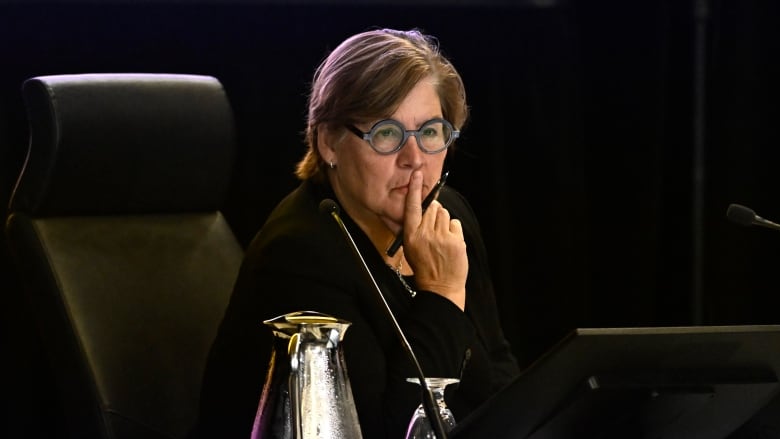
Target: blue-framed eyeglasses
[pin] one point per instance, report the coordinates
(389, 136)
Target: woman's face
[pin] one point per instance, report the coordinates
(372, 187)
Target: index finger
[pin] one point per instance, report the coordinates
(413, 214)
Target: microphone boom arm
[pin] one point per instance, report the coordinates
(429, 405)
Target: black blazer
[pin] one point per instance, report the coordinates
(300, 260)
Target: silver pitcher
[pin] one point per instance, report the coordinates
(306, 393)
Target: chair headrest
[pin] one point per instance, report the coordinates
(125, 144)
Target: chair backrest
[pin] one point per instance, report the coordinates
(116, 230)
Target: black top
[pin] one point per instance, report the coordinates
(300, 260)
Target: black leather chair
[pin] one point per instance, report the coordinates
(116, 232)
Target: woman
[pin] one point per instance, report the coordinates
(384, 109)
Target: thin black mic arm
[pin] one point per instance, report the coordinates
(429, 405)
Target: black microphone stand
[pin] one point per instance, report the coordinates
(428, 403)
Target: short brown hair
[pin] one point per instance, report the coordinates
(367, 76)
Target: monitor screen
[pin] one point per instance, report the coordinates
(662, 382)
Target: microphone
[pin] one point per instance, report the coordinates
(429, 405)
(747, 217)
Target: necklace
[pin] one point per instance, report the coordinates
(406, 285)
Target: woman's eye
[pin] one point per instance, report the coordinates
(387, 133)
(430, 132)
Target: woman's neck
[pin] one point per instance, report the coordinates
(378, 232)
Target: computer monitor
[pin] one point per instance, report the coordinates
(664, 382)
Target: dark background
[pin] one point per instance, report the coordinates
(607, 139)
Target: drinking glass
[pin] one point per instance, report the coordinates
(420, 426)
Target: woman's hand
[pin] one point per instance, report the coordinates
(434, 246)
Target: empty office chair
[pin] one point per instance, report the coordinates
(116, 231)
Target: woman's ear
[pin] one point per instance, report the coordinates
(325, 144)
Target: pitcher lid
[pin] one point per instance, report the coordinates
(297, 318)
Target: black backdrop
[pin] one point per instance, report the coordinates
(580, 158)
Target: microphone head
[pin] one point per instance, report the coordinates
(741, 214)
(329, 206)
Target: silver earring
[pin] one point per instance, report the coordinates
(332, 165)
